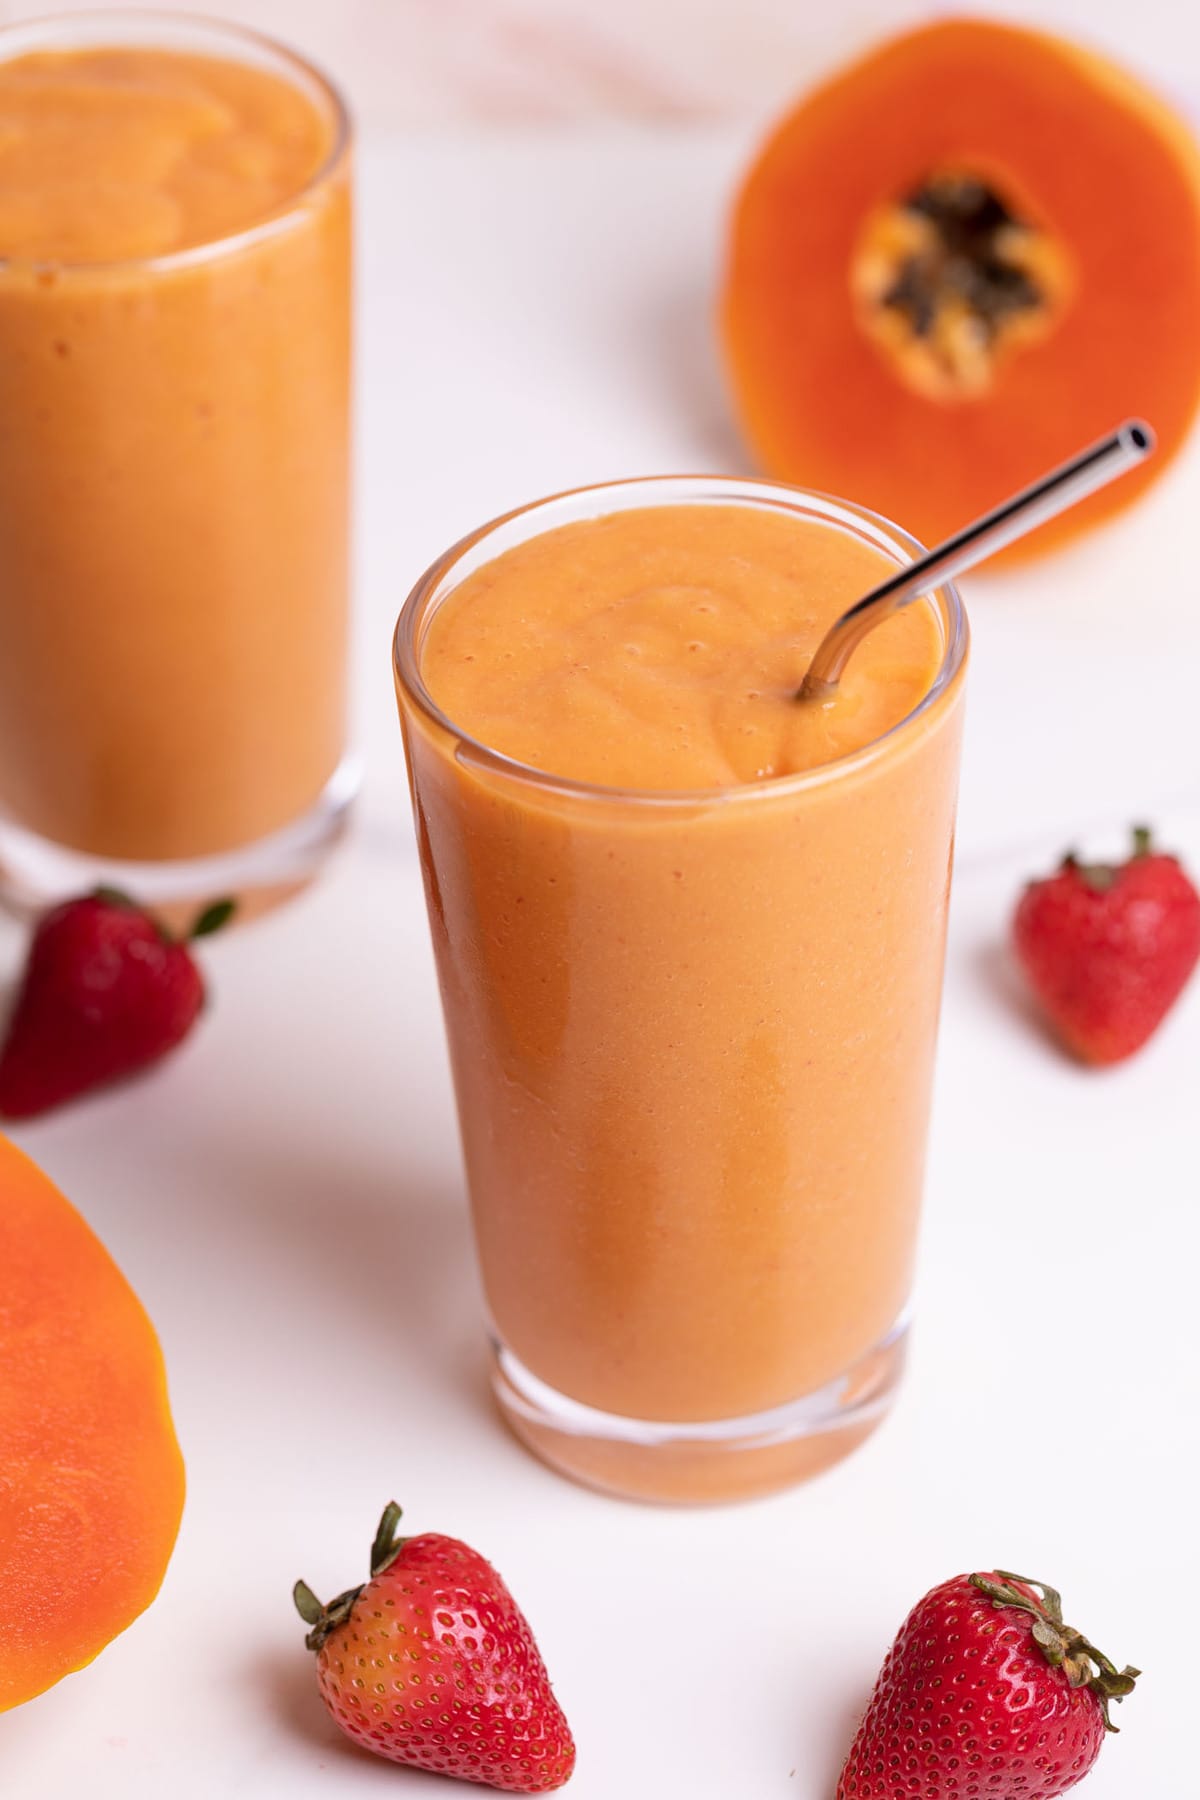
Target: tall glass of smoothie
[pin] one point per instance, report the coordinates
(175, 226)
(689, 933)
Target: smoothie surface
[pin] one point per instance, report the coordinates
(661, 648)
(107, 154)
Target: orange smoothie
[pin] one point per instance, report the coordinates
(174, 376)
(691, 976)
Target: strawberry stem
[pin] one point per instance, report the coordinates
(322, 1619)
(212, 918)
(307, 1604)
(1047, 1602)
(1101, 876)
(112, 896)
(1063, 1647)
(387, 1545)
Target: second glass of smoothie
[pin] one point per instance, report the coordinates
(689, 934)
(175, 247)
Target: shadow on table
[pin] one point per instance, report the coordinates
(680, 358)
(377, 1259)
(310, 1266)
(993, 968)
(287, 1683)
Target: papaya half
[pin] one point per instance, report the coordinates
(955, 264)
(91, 1479)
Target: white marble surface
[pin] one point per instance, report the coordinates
(445, 61)
(285, 1193)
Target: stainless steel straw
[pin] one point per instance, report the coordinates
(1114, 455)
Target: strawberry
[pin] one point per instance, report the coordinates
(1109, 948)
(432, 1663)
(105, 992)
(986, 1693)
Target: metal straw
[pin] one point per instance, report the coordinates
(1114, 455)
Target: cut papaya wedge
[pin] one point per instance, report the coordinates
(91, 1478)
(956, 263)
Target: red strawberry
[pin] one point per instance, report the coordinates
(432, 1663)
(986, 1693)
(1109, 949)
(105, 992)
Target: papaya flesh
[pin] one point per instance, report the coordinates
(91, 1478)
(956, 263)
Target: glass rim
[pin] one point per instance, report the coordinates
(159, 28)
(720, 489)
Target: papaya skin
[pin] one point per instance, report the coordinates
(91, 1477)
(1080, 152)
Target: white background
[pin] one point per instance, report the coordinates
(285, 1193)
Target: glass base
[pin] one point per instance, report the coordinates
(712, 1461)
(36, 873)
